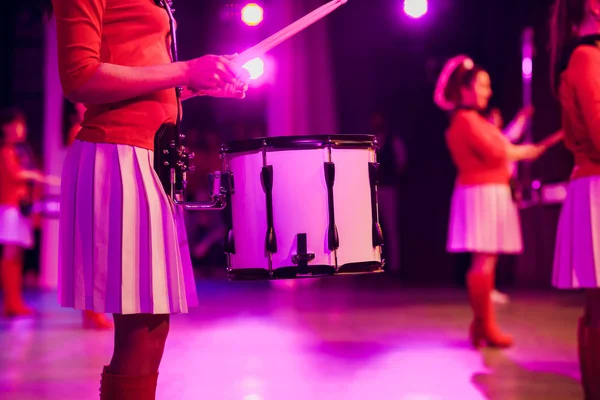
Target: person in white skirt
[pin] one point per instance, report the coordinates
(575, 48)
(16, 228)
(123, 246)
(483, 220)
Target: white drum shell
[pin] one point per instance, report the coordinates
(300, 206)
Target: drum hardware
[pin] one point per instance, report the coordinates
(267, 181)
(302, 257)
(538, 193)
(333, 239)
(377, 232)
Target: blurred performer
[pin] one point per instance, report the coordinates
(91, 319)
(121, 236)
(484, 220)
(16, 229)
(575, 39)
(392, 157)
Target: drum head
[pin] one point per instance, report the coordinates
(300, 142)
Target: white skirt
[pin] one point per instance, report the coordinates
(15, 228)
(123, 246)
(577, 251)
(484, 219)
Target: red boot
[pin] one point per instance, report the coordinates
(483, 328)
(93, 320)
(12, 287)
(121, 387)
(589, 360)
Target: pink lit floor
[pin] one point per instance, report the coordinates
(360, 338)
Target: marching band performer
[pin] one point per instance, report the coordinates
(484, 220)
(120, 234)
(575, 41)
(16, 227)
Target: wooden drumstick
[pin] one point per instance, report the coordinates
(277, 38)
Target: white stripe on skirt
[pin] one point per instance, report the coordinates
(484, 219)
(577, 251)
(123, 245)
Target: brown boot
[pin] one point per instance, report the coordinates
(121, 387)
(12, 287)
(484, 329)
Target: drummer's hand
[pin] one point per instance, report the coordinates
(236, 90)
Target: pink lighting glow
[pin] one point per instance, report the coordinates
(256, 68)
(252, 14)
(527, 67)
(415, 8)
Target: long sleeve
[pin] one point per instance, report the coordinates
(79, 34)
(584, 67)
(9, 164)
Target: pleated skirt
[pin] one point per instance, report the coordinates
(123, 245)
(15, 228)
(577, 250)
(484, 219)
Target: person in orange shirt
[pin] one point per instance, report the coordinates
(121, 237)
(484, 220)
(16, 228)
(575, 48)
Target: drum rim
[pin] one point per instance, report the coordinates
(300, 142)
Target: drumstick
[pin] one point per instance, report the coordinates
(284, 34)
(553, 139)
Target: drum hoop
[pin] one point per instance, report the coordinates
(299, 143)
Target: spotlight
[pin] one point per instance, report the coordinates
(415, 8)
(252, 14)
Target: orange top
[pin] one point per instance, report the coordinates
(12, 189)
(579, 95)
(129, 33)
(478, 149)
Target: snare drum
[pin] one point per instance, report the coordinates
(303, 206)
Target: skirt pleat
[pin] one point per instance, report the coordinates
(577, 250)
(484, 219)
(121, 245)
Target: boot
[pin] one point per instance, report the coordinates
(93, 320)
(12, 287)
(121, 387)
(582, 342)
(589, 359)
(484, 329)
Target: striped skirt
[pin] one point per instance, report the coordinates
(484, 219)
(15, 228)
(123, 246)
(577, 251)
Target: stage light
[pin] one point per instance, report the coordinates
(415, 8)
(256, 68)
(252, 14)
(527, 67)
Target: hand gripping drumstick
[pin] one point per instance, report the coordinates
(287, 32)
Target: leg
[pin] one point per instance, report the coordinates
(480, 282)
(139, 345)
(11, 267)
(589, 345)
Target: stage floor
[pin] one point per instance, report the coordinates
(358, 338)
